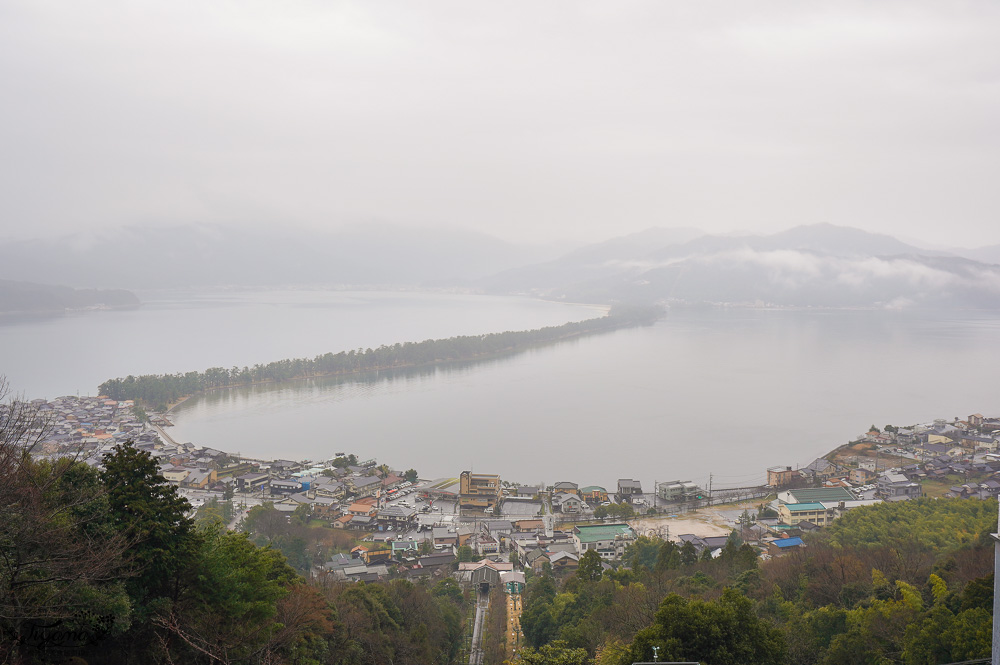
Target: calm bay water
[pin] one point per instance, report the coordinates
(194, 330)
(718, 392)
(722, 392)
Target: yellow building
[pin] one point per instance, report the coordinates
(175, 476)
(780, 476)
(478, 490)
(793, 513)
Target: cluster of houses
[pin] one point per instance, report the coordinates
(430, 547)
(568, 498)
(86, 427)
(485, 494)
(898, 482)
(349, 497)
(355, 496)
(904, 457)
(91, 427)
(934, 451)
(531, 543)
(565, 497)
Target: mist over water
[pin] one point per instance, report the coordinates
(180, 331)
(721, 392)
(704, 391)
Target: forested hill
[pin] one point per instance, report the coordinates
(160, 389)
(46, 298)
(906, 583)
(108, 567)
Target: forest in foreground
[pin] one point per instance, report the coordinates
(109, 566)
(907, 582)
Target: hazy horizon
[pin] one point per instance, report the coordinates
(533, 123)
(557, 246)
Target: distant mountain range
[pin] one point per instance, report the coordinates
(28, 297)
(199, 255)
(990, 254)
(807, 266)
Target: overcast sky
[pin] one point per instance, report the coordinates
(527, 120)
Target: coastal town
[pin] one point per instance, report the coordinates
(415, 527)
(488, 535)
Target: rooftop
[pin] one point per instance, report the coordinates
(589, 534)
(820, 494)
(787, 542)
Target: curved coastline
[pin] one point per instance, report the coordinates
(150, 389)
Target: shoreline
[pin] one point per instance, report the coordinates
(49, 313)
(357, 372)
(434, 363)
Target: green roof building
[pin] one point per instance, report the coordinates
(608, 540)
(815, 495)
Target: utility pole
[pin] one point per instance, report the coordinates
(996, 594)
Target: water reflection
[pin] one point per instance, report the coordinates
(727, 392)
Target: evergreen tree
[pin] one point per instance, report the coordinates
(590, 568)
(722, 632)
(143, 505)
(669, 557)
(689, 554)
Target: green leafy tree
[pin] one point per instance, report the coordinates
(554, 653)
(590, 568)
(264, 523)
(301, 515)
(209, 513)
(978, 593)
(721, 632)
(669, 557)
(230, 613)
(140, 414)
(448, 588)
(621, 510)
(410, 475)
(464, 554)
(642, 552)
(61, 559)
(142, 504)
(688, 553)
(345, 461)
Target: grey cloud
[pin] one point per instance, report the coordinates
(531, 121)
